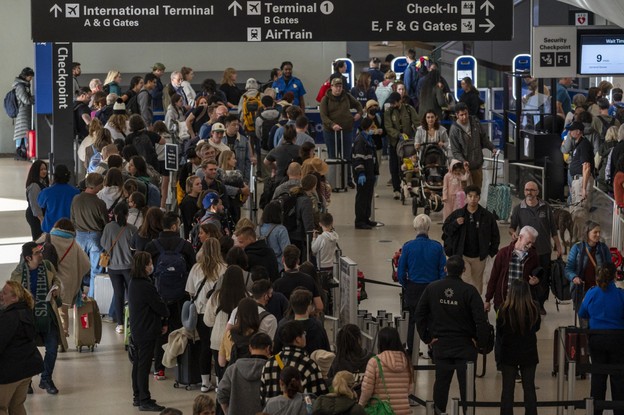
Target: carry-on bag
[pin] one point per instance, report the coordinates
(576, 349)
(187, 370)
(103, 292)
(87, 325)
(338, 173)
(499, 195)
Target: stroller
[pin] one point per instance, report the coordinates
(410, 172)
(432, 164)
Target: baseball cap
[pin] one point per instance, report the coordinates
(216, 127)
(336, 81)
(210, 200)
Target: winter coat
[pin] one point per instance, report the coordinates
(240, 386)
(336, 405)
(454, 235)
(402, 120)
(469, 148)
(396, 372)
(364, 157)
(324, 248)
(19, 357)
(337, 110)
(72, 268)
(25, 101)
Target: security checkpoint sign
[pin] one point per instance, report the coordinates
(269, 21)
(553, 52)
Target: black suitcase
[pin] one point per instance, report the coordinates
(576, 349)
(188, 372)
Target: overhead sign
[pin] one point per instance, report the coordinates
(268, 21)
(62, 106)
(553, 52)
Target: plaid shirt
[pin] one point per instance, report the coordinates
(312, 379)
(516, 266)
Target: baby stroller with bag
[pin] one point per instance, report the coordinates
(432, 165)
(410, 173)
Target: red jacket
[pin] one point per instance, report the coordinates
(497, 285)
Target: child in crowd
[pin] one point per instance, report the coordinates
(324, 245)
(453, 194)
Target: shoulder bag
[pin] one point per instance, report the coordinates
(105, 256)
(376, 405)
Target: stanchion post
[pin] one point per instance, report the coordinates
(470, 386)
(561, 368)
(589, 406)
(429, 408)
(571, 384)
(455, 406)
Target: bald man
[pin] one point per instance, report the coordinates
(294, 179)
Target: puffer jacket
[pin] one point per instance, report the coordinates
(25, 100)
(396, 371)
(333, 404)
(337, 110)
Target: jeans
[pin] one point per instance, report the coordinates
(606, 349)
(344, 147)
(444, 369)
(393, 164)
(528, 385)
(51, 342)
(141, 370)
(120, 280)
(90, 243)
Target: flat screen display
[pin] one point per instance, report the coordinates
(601, 52)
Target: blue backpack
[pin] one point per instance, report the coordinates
(170, 272)
(11, 106)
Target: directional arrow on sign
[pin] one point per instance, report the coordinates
(56, 9)
(487, 5)
(236, 7)
(489, 25)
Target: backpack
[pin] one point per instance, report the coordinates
(265, 131)
(240, 346)
(619, 113)
(267, 193)
(95, 160)
(559, 284)
(251, 106)
(133, 106)
(11, 105)
(289, 210)
(605, 126)
(170, 272)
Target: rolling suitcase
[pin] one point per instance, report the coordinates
(499, 195)
(187, 371)
(338, 173)
(576, 349)
(87, 325)
(103, 292)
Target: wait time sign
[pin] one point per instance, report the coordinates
(267, 21)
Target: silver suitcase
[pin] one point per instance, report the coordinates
(338, 173)
(103, 292)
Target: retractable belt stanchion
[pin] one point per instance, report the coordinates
(561, 366)
(571, 384)
(589, 406)
(454, 407)
(429, 408)
(470, 386)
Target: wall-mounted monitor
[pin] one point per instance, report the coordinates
(600, 52)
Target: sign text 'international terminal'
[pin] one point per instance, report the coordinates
(269, 21)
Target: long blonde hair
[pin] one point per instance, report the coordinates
(210, 260)
(342, 384)
(112, 74)
(224, 157)
(227, 76)
(118, 122)
(21, 293)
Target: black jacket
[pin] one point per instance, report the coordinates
(451, 310)
(515, 348)
(19, 357)
(454, 235)
(364, 157)
(147, 310)
(259, 253)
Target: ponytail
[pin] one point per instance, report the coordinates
(604, 275)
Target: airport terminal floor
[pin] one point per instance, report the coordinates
(99, 383)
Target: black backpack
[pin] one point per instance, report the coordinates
(265, 131)
(170, 272)
(240, 346)
(133, 106)
(559, 284)
(146, 149)
(11, 105)
(289, 209)
(605, 125)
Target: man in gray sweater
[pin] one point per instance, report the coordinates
(239, 390)
(468, 139)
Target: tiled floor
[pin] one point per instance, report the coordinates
(99, 383)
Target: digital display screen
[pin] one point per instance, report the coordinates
(601, 53)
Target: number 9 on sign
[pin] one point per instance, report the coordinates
(598, 58)
(327, 7)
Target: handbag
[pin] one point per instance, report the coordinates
(376, 405)
(189, 310)
(105, 256)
